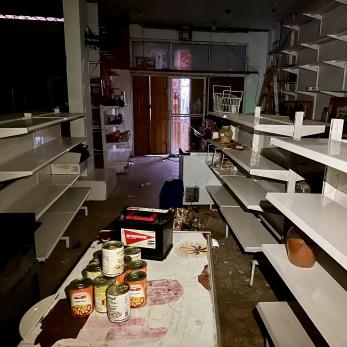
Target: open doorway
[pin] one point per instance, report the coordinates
(187, 106)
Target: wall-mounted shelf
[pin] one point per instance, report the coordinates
(321, 218)
(33, 160)
(247, 190)
(257, 165)
(323, 299)
(41, 196)
(250, 233)
(325, 151)
(21, 126)
(221, 196)
(282, 325)
(56, 220)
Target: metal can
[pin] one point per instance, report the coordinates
(97, 255)
(100, 285)
(127, 260)
(118, 302)
(133, 252)
(137, 281)
(138, 265)
(81, 297)
(120, 278)
(112, 258)
(93, 270)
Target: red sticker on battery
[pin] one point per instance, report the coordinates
(140, 238)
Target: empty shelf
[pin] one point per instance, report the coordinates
(321, 218)
(246, 190)
(325, 151)
(323, 299)
(250, 233)
(27, 125)
(282, 325)
(45, 193)
(221, 196)
(56, 220)
(71, 201)
(30, 162)
(257, 165)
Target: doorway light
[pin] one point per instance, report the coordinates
(33, 18)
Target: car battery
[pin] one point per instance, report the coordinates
(149, 229)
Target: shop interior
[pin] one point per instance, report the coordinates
(205, 141)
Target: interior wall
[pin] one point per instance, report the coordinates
(257, 43)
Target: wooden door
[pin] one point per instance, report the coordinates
(159, 115)
(141, 115)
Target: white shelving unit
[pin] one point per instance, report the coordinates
(320, 290)
(28, 145)
(323, 299)
(317, 53)
(34, 159)
(56, 221)
(116, 154)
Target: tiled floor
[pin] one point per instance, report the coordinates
(141, 186)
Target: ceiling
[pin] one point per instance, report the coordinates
(214, 14)
(210, 14)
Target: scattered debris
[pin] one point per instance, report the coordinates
(230, 272)
(148, 184)
(130, 163)
(225, 262)
(131, 196)
(141, 185)
(241, 272)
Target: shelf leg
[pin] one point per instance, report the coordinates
(226, 231)
(254, 264)
(67, 241)
(267, 344)
(85, 209)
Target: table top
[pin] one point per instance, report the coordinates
(181, 308)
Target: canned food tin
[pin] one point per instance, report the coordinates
(100, 285)
(97, 255)
(127, 260)
(112, 258)
(133, 252)
(118, 302)
(137, 265)
(120, 278)
(137, 281)
(81, 297)
(93, 270)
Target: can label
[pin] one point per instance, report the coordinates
(139, 238)
(81, 301)
(112, 261)
(118, 307)
(137, 295)
(100, 298)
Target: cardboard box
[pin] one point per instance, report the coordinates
(68, 164)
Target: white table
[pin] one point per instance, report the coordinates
(186, 317)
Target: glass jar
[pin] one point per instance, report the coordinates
(225, 134)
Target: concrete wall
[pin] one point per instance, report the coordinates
(257, 43)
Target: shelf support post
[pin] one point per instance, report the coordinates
(298, 122)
